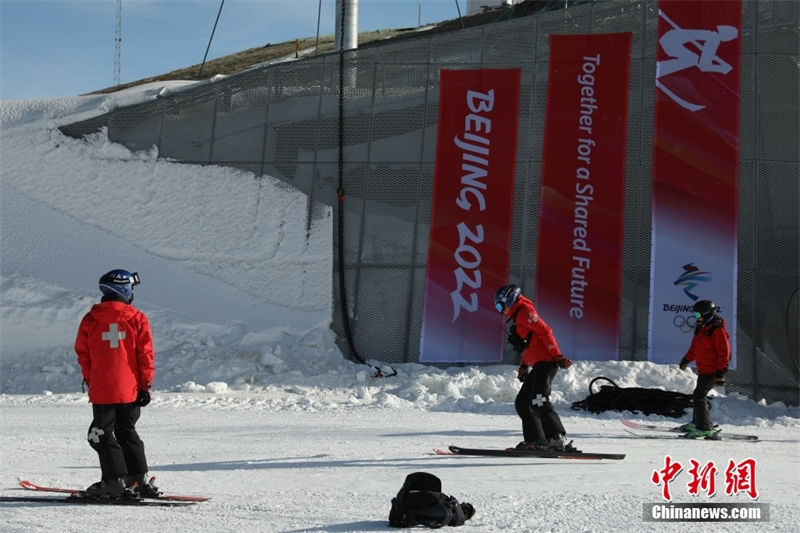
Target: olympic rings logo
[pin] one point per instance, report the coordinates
(684, 323)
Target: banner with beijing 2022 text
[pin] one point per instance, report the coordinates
(468, 254)
(695, 170)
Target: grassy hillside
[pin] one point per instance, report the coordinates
(233, 63)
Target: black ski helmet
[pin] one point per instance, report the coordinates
(119, 283)
(705, 309)
(506, 296)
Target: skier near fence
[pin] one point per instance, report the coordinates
(540, 360)
(711, 351)
(114, 346)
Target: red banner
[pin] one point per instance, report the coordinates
(695, 170)
(580, 235)
(471, 215)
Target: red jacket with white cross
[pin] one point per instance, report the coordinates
(115, 351)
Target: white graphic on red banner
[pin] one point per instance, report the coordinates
(471, 216)
(580, 237)
(687, 48)
(695, 170)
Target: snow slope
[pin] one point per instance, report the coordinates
(254, 404)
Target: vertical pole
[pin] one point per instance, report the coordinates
(200, 74)
(118, 45)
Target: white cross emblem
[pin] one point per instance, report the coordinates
(539, 400)
(675, 43)
(94, 434)
(113, 335)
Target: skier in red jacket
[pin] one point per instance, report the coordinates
(115, 352)
(541, 359)
(711, 352)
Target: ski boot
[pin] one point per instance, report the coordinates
(524, 445)
(107, 489)
(708, 434)
(559, 443)
(143, 486)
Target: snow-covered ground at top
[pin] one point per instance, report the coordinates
(254, 404)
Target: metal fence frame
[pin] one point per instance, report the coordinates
(281, 121)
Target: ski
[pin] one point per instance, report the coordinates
(543, 454)
(25, 484)
(83, 500)
(663, 435)
(678, 433)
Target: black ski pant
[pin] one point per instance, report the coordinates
(539, 420)
(702, 412)
(113, 436)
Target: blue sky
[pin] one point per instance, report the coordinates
(58, 48)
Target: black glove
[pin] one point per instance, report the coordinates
(516, 341)
(683, 364)
(522, 372)
(563, 361)
(719, 378)
(143, 398)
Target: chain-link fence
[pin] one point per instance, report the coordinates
(282, 120)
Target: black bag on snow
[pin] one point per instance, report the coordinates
(634, 399)
(420, 502)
